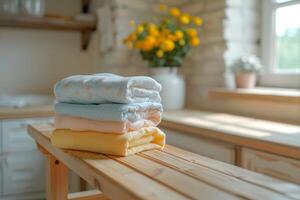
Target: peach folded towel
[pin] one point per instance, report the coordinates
(120, 145)
(117, 127)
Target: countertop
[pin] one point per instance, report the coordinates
(274, 137)
(27, 112)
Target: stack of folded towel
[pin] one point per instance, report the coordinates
(108, 114)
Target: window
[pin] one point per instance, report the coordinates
(281, 43)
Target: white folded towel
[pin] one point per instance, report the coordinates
(105, 87)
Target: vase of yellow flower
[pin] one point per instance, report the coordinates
(164, 44)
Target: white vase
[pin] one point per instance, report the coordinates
(173, 87)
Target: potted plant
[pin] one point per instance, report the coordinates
(164, 43)
(246, 69)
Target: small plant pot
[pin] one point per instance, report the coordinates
(245, 80)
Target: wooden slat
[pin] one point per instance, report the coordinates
(227, 183)
(87, 195)
(184, 184)
(287, 189)
(273, 137)
(114, 179)
(56, 179)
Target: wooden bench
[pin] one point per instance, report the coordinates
(168, 174)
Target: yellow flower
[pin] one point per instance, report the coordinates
(175, 12)
(150, 39)
(148, 43)
(179, 34)
(140, 29)
(152, 29)
(192, 32)
(198, 21)
(181, 42)
(162, 7)
(184, 19)
(167, 45)
(172, 37)
(147, 46)
(159, 53)
(132, 23)
(195, 41)
(158, 41)
(139, 45)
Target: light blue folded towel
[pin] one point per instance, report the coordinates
(106, 88)
(111, 112)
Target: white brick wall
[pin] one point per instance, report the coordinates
(231, 29)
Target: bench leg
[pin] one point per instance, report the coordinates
(56, 179)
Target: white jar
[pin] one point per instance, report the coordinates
(173, 87)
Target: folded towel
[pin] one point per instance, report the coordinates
(82, 124)
(105, 87)
(121, 145)
(111, 112)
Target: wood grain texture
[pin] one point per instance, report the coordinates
(56, 179)
(29, 112)
(279, 138)
(116, 181)
(224, 182)
(178, 181)
(169, 174)
(293, 191)
(272, 165)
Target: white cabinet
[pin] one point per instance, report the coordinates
(23, 167)
(202, 146)
(272, 165)
(23, 172)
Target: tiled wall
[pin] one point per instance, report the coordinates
(230, 30)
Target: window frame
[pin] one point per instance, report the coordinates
(270, 78)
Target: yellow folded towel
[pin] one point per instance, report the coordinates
(114, 144)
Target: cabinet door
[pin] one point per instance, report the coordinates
(23, 172)
(23, 168)
(15, 137)
(272, 165)
(206, 147)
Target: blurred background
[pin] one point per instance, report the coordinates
(43, 41)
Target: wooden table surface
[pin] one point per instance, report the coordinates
(168, 174)
(279, 138)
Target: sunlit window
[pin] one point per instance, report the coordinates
(287, 38)
(280, 43)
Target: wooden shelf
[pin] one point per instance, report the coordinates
(258, 94)
(85, 28)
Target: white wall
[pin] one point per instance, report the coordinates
(31, 61)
